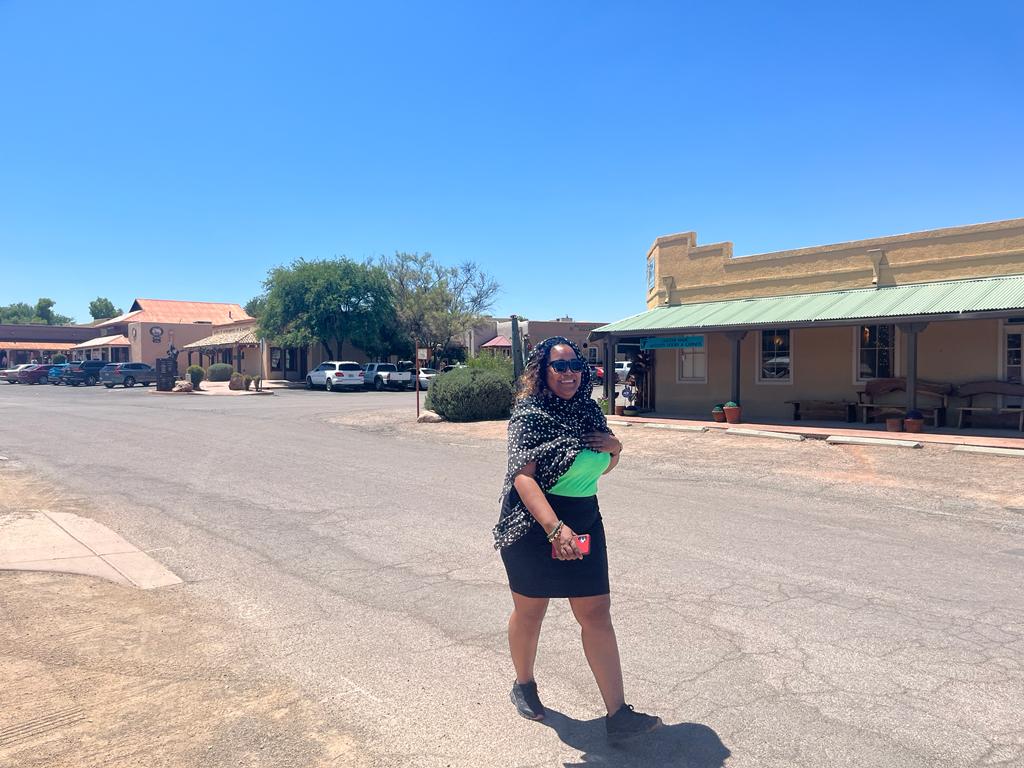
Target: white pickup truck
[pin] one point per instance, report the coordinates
(382, 376)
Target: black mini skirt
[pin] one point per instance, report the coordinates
(532, 571)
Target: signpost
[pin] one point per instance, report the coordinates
(166, 372)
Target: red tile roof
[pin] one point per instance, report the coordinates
(37, 346)
(104, 341)
(498, 341)
(167, 311)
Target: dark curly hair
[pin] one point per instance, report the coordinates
(534, 381)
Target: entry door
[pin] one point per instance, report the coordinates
(1012, 350)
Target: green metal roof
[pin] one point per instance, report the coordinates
(919, 300)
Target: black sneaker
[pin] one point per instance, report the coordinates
(627, 724)
(527, 701)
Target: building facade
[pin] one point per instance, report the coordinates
(817, 324)
(24, 343)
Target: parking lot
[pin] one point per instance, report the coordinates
(790, 605)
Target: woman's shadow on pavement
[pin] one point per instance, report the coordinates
(684, 745)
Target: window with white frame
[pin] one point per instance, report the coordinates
(876, 352)
(774, 363)
(692, 366)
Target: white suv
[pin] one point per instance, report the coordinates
(622, 369)
(336, 374)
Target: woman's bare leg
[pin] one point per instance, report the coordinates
(600, 646)
(524, 633)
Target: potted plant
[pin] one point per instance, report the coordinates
(733, 412)
(914, 421)
(894, 424)
(718, 412)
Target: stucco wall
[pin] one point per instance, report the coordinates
(823, 368)
(686, 272)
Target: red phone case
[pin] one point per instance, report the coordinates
(582, 541)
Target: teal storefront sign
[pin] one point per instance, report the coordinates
(673, 342)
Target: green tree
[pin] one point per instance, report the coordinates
(437, 303)
(328, 302)
(102, 308)
(254, 307)
(24, 314)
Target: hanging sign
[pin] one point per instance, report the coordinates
(673, 342)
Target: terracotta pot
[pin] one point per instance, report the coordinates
(619, 409)
(718, 416)
(732, 414)
(894, 425)
(914, 425)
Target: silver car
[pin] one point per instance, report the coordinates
(127, 374)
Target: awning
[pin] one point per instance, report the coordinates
(497, 341)
(947, 300)
(37, 346)
(104, 341)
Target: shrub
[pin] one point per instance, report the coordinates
(502, 365)
(248, 382)
(472, 394)
(731, 404)
(219, 372)
(59, 359)
(720, 408)
(602, 403)
(195, 374)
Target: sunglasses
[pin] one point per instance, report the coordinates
(561, 366)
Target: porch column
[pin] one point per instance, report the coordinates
(734, 337)
(609, 373)
(910, 331)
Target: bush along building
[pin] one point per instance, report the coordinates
(916, 321)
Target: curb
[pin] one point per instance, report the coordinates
(764, 433)
(836, 440)
(1016, 453)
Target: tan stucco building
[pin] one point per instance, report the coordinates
(816, 324)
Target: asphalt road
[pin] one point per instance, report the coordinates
(770, 622)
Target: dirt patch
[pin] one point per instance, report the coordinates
(96, 675)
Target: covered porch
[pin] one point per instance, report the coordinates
(859, 355)
(113, 349)
(237, 347)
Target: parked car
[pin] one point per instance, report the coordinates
(10, 375)
(452, 367)
(386, 375)
(83, 372)
(426, 375)
(336, 374)
(622, 369)
(56, 370)
(597, 373)
(127, 374)
(34, 374)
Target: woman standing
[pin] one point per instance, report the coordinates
(559, 445)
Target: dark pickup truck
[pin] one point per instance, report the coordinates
(84, 372)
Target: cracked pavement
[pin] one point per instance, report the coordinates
(777, 604)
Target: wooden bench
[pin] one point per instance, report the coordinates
(994, 388)
(876, 388)
(823, 409)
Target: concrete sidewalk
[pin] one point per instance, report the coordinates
(943, 436)
(66, 543)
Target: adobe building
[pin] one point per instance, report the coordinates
(237, 344)
(493, 335)
(816, 325)
(148, 328)
(23, 343)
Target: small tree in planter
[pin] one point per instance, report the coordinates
(733, 413)
(718, 412)
(196, 374)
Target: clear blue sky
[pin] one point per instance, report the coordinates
(180, 149)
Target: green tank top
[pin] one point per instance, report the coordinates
(581, 478)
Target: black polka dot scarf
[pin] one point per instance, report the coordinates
(549, 430)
